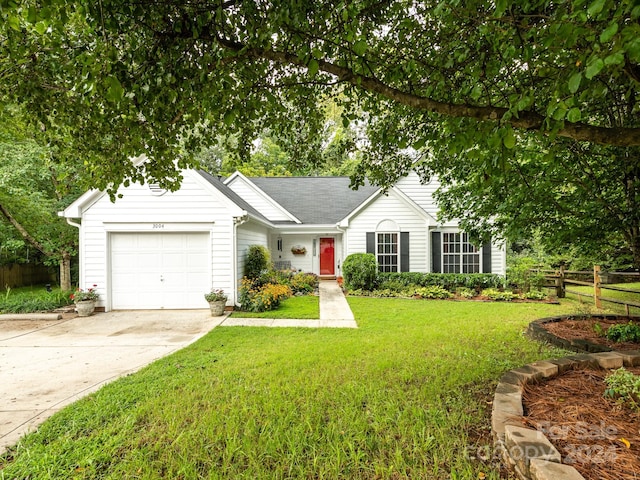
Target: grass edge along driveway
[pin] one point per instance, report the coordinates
(407, 395)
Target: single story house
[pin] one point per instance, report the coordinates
(154, 249)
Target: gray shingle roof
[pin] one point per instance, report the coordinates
(231, 195)
(315, 200)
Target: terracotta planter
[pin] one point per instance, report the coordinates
(85, 307)
(217, 308)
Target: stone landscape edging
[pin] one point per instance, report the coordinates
(537, 331)
(528, 451)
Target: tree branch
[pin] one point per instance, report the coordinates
(24, 232)
(527, 120)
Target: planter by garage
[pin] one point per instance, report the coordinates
(217, 308)
(85, 308)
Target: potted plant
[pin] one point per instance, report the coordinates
(85, 300)
(217, 301)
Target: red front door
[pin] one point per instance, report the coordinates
(327, 257)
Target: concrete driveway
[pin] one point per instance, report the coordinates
(45, 365)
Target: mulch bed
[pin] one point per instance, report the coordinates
(585, 427)
(585, 329)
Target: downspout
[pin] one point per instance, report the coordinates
(237, 221)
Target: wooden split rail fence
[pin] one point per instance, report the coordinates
(561, 278)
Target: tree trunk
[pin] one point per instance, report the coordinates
(65, 271)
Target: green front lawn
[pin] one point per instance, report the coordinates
(407, 395)
(611, 307)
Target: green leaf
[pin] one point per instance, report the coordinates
(609, 32)
(14, 22)
(229, 117)
(574, 82)
(574, 115)
(509, 139)
(313, 67)
(501, 7)
(614, 59)
(360, 47)
(594, 68)
(595, 8)
(633, 50)
(115, 92)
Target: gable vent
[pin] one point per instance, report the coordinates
(156, 189)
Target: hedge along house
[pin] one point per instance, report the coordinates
(154, 249)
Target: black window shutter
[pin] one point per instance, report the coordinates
(436, 252)
(371, 242)
(486, 257)
(404, 251)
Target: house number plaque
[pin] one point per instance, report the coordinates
(158, 225)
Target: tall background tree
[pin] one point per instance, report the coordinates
(466, 90)
(33, 188)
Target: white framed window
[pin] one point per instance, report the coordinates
(458, 254)
(388, 251)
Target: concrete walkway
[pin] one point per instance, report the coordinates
(334, 313)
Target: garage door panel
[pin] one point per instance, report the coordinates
(159, 270)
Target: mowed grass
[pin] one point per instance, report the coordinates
(611, 307)
(303, 307)
(407, 395)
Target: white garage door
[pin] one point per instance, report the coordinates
(159, 270)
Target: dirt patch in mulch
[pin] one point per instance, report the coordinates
(588, 429)
(587, 328)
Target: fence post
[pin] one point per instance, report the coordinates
(560, 288)
(597, 292)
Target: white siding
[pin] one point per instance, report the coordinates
(192, 208)
(391, 207)
(258, 201)
(250, 233)
(422, 195)
(499, 259)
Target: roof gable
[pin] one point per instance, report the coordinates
(260, 199)
(315, 200)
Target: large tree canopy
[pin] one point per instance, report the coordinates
(161, 77)
(481, 84)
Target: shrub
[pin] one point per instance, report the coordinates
(260, 298)
(433, 292)
(394, 285)
(520, 276)
(624, 386)
(450, 281)
(360, 271)
(628, 332)
(534, 295)
(257, 262)
(303, 282)
(498, 296)
(466, 292)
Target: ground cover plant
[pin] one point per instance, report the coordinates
(406, 395)
(301, 307)
(33, 299)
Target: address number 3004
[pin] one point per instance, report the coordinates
(158, 225)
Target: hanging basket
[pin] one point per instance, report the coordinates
(298, 250)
